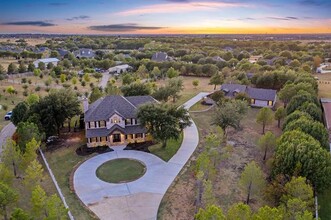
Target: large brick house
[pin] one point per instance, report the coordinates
(112, 120)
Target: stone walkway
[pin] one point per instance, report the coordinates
(141, 198)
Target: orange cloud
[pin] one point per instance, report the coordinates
(179, 7)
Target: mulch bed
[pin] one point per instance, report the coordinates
(140, 146)
(84, 150)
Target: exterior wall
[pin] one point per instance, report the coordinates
(121, 122)
(261, 103)
(123, 141)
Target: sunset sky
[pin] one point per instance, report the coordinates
(165, 16)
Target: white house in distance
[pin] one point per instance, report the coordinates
(120, 69)
(46, 61)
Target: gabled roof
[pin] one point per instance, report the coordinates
(160, 56)
(231, 89)
(83, 52)
(105, 107)
(261, 94)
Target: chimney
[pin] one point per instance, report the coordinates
(85, 104)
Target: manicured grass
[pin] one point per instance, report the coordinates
(325, 205)
(169, 151)
(121, 170)
(199, 107)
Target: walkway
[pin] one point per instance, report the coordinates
(139, 199)
(5, 133)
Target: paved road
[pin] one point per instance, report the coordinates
(139, 199)
(5, 133)
(104, 80)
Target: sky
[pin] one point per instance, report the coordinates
(165, 16)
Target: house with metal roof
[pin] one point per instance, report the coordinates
(120, 69)
(46, 61)
(258, 97)
(160, 57)
(112, 120)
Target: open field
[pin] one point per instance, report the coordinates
(4, 62)
(63, 161)
(30, 41)
(324, 85)
(179, 200)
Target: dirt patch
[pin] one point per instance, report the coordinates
(179, 201)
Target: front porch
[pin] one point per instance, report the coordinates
(118, 138)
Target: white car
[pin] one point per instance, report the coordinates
(8, 115)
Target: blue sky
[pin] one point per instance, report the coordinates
(165, 16)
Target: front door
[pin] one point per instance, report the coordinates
(116, 138)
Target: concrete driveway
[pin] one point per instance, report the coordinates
(5, 133)
(141, 198)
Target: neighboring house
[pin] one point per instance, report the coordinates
(120, 69)
(254, 59)
(63, 52)
(160, 57)
(112, 120)
(218, 59)
(46, 61)
(326, 107)
(259, 97)
(84, 53)
(324, 68)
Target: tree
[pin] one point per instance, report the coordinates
(50, 66)
(6, 176)
(217, 96)
(163, 121)
(295, 116)
(216, 79)
(2, 70)
(10, 90)
(36, 72)
(229, 114)
(74, 80)
(300, 154)
(162, 94)
(136, 89)
(313, 128)
(208, 197)
(156, 73)
(54, 54)
(127, 79)
(312, 109)
(38, 202)
(195, 83)
(239, 211)
(19, 113)
(26, 131)
(63, 77)
(31, 67)
(55, 208)
(297, 188)
(211, 212)
(267, 143)
(264, 117)
(33, 174)
(280, 114)
(8, 197)
(12, 68)
(299, 99)
(32, 99)
(53, 110)
(142, 72)
(22, 68)
(30, 153)
(95, 95)
(252, 180)
(41, 66)
(172, 73)
(20, 214)
(269, 213)
(175, 86)
(11, 156)
(317, 61)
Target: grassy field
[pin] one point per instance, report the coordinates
(62, 162)
(324, 85)
(324, 201)
(120, 170)
(4, 62)
(199, 107)
(169, 151)
(29, 41)
(178, 202)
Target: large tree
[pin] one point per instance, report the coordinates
(55, 109)
(216, 79)
(19, 113)
(211, 212)
(11, 156)
(163, 121)
(239, 211)
(264, 117)
(26, 131)
(136, 89)
(252, 180)
(301, 98)
(313, 128)
(280, 114)
(298, 153)
(229, 114)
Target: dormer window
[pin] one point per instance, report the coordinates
(115, 120)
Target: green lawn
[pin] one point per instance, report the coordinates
(62, 162)
(324, 201)
(169, 151)
(199, 107)
(121, 170)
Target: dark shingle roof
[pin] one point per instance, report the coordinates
(261, 94)
(104, 108)
(230, 89)
(104, 132)
(160, 56)
(97, 132)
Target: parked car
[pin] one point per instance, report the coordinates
(8, 115)
(52, 140)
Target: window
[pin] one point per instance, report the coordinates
(92, 124)
(252, 101)
(270, 103)
(128, 121)
(139, 135)
(115, 120)
(102, 124)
